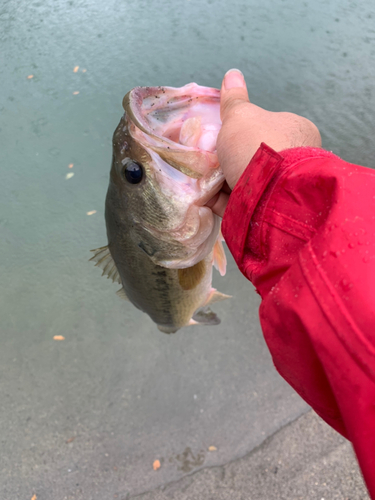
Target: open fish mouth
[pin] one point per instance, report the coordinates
(180, 124)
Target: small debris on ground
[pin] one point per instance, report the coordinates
(58, 337)
(84, 70)
(76, 92)
(70, 440)
(212, 448)
(156, 465)
(76, 68)
(71, 165)
(30, 77)
(92, 212)
(69, 176)
(34, 497)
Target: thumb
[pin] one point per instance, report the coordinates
(233, 92)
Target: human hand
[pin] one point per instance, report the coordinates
(245, 126)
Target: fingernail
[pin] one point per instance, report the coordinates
(234, 79)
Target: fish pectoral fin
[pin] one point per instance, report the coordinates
(121, 293)
(220, 260)
(216, 296)
(103, 258)
(204, 316)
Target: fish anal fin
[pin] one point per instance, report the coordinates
(216, 296)
(192, 322)
(103, 259)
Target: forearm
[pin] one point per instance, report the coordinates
(300, 225)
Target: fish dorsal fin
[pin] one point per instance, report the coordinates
(103, 258)
(220, 260)
(121, 293)
(216, 296)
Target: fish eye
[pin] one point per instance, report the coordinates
(133, 172)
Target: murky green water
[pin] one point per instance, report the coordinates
(123, 389)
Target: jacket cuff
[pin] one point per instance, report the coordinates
(265, 167)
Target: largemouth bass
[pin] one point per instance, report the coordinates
(162, 240)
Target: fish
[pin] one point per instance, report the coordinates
(162, 240)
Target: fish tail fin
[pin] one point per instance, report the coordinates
(204, 316)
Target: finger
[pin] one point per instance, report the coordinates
(218, 203)
(233, 91)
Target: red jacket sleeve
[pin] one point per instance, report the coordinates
(301, 226)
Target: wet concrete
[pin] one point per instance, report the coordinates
(87, 416)
(305, 459)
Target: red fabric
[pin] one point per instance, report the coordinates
(301, 226)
